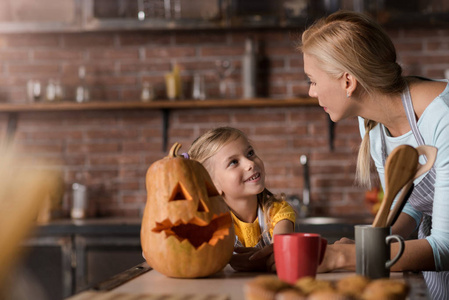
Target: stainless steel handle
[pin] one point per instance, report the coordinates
(306, 189)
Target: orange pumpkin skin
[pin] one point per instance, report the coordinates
(187, 230)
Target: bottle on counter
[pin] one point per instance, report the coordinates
(249, 69)
(80, 205)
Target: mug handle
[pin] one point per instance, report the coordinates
(322, 249)
(400, 240)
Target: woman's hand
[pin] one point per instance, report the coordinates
(333, 256)
(253, 259)
(345, 241)
(338, 256)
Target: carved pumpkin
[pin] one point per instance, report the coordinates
(187, 229)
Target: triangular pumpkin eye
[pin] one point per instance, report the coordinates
(179, 193)
(202, 207)
(211, 190)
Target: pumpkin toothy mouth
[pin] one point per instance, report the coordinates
(197, 231)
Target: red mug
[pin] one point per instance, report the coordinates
(298, 255)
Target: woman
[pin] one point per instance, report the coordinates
(351, 64)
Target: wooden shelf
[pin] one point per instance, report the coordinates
(163, 104)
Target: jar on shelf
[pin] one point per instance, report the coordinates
(147, 94)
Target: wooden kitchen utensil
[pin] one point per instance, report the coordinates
(400, 203)
(400, 168)
(431, 154)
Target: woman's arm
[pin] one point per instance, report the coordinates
(404, 225)
(417, 256)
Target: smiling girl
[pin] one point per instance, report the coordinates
(239, 176)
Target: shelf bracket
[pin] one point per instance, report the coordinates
(165, 126)
(11, 128)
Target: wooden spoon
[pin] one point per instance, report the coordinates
(400, 167)
(431, 154)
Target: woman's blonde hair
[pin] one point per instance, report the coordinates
(352, 42)
(209, 143)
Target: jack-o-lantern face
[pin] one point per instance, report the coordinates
(187, 229)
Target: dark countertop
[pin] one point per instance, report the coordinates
(333, 227)
(94, 226)
(342, 226)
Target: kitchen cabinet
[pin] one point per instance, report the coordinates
(101, 257)
(39, 16)
(410, 13)
(98, 15)
(66, 257)
(204, 14)
(49, 261)
(153, 14)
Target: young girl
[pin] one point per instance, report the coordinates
(239, 176)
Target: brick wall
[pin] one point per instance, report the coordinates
(111, 150)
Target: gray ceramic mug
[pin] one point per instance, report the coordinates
(372, 246)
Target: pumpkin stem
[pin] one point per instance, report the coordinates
(174, 150)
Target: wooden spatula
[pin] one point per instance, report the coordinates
(431, 155)
(400, 167)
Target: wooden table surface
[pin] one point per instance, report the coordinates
(142, 282)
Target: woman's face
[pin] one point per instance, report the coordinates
(237, 171)
(330, 92)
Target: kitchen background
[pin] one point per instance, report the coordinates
(110, 150)
(76, 82)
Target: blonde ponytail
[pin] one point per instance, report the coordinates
(363, 171)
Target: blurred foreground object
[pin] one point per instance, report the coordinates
(373, 199)
(23, 190)
(51, 206)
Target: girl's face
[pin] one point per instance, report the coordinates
(330, 92)
(237, 171)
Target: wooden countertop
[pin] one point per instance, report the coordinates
(226, 284)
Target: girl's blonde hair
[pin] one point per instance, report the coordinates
(209, 143)
(351, 42)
